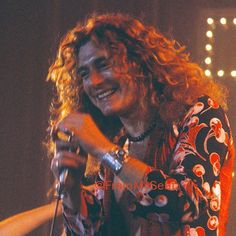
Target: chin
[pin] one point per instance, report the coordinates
(110, 112)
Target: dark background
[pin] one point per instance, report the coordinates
(29, 34)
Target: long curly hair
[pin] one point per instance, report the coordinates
(163, 65)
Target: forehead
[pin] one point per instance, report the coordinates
(90, 51)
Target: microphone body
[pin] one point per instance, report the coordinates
(65, 178)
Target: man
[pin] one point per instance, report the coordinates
(148, 142)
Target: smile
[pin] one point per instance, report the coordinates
(106, 94)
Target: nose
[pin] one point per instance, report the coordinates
(95, 78)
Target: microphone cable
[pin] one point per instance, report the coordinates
(60, 188)
(55, 215)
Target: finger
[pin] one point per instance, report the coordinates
(62, 126)
(66, 155)
(61, 133)
(67, 160)
(53, 133)
(65, 134)
(58, 165)
(65, 146)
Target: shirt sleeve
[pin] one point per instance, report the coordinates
(192, 185)
(79, 224)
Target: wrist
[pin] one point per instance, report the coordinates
(102, 149)
(115, 158)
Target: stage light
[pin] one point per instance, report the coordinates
(210, 21)
(208, 47)
(209, 34)
(220, 73)
(233, 174)
(214, 24)
(208, 73)
(223, 21)
(233, 73)
(208, 60)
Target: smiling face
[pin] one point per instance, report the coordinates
(114, 93)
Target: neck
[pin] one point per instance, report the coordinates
(137, 123)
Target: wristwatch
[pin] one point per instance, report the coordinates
(115, 159)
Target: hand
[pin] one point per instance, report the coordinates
(63, 158)
(86, 134)
(76, 162)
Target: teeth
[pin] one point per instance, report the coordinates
(105, 94)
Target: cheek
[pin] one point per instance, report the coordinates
(87, 94)
(86, 88)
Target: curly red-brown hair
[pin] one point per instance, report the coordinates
(163, 65)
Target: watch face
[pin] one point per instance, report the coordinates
(122, 155)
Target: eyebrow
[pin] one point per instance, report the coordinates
(96, 62)
(100, 59)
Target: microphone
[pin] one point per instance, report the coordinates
(65, 177)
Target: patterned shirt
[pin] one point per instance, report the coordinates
(181, 192)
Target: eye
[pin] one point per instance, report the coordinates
(103, 64)
(83, 73)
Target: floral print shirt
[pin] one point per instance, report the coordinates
(188, 195)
